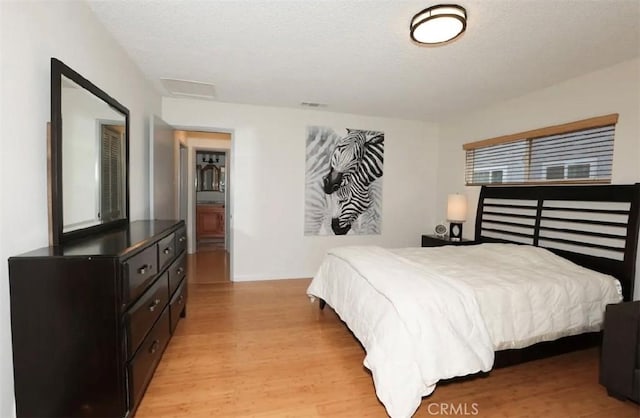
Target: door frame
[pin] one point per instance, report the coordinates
(229, 190)
(152, 119)
(182, 181)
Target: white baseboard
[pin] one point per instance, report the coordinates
(255, 278)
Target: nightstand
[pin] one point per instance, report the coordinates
(620, 355)
(438, 241)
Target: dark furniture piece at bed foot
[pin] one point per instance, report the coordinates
(90, 319)
(620, 362)
(505, 358)
(440, 241)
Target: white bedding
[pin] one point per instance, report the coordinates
(487, 297)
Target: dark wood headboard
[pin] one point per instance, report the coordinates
(593, 226)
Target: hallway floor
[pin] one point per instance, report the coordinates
(208, 266)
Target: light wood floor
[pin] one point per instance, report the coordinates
(260, 349)
(211, 266)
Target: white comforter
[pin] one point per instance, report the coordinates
(425, 314)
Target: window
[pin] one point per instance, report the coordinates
(555, 172)
(487, 176)
(580, 169)
(576, 152)
(111, 173)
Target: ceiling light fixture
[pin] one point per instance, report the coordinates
(438, 24)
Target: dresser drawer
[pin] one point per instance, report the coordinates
(166, 250)
(181, 240)
(139, 272)
(178, 302)
(142, 366)
(176, 272)
(144, 313)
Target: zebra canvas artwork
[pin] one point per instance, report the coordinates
(343, 181)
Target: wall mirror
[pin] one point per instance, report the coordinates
(210, 171)
(89, 157)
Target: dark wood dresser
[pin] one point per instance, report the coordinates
(90, 319)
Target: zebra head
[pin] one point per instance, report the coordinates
(353, 200)
(345, 159)
(340, 228)
(355, 163)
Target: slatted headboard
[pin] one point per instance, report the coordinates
(593, 226)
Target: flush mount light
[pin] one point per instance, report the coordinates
(438, 24)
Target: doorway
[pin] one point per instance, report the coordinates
(207, 204)
(210, 200)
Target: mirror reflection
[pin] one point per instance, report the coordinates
(210, 171)
(94, 162)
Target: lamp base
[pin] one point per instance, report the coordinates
(455, 231)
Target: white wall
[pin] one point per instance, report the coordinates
(268, 177)
(612, 90)
(30, 34)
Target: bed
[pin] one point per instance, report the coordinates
(428, 314)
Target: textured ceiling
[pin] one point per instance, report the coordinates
(357, 57)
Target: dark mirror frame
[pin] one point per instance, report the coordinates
(56, 234)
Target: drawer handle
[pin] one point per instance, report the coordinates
(179, 271)
(155, 303)
(182, 239)
(154, 346)
(167, 250)
(180, 299)
(145, 269)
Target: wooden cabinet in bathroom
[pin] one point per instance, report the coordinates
(209, 221)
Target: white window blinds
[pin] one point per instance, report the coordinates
(577, 152)
(111, 171)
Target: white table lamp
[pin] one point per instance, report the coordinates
(456, 215)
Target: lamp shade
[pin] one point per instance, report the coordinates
(438, 24)
(456, 208)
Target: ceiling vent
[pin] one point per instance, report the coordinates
(311, 104)
(188, 88)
